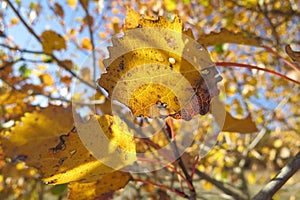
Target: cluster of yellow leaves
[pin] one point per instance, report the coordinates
(13, 104)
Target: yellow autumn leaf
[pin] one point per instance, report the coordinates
(157, 62)
(245, 125)
(227, 36)
(14, 20)
(207, 185)
(43, 140)
(252, 178)
(170, 5)
(46, 79)
(86, 44)
(90, 191)
(72, 3)
(52, 41)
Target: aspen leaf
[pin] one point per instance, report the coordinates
(147, 67)
(252, 178)
(59, 10)
(86, 44)
(52, 41)
(295, 55)
(43, 140)
(207, 185)
(232, 124)
(170, 5)
(14, 21)
(90, 191)
(46, 79)
(72, 3)
(32, 137)
(226, 36)
(68, 64)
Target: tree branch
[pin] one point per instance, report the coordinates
(89, 21)
(162, 187)
(280, 179)
(222, 186)
(169, 129)
(52, 55)
(23, 21)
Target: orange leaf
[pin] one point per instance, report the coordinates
(46, 79)
(86, 44)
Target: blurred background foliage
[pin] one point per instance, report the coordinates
(32, 73)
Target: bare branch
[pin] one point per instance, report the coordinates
(280, 179)
(23, 21)
(222, 186)
(89, 21)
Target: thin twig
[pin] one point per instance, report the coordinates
(167, 165)
(273, 27)
(232, 64)
(52, 55)
(182, 194)
(222, 186)
(169, 129)
(23, 21)
(269, 49)
(21, 50)
(89, 21)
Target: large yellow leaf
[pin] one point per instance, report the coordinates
(156, 62)
(43, 140)
(226, 36)
(52, 41)
(90, 191)
(245, 125)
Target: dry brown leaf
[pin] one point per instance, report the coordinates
(245, 125)
(59, 10)
(52, 41)
(295, 55)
